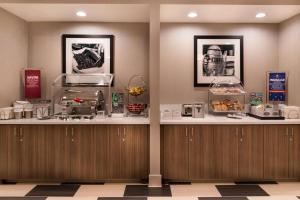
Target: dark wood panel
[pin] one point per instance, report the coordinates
(83, 152)
(58, 152)
(294, 170)
(276, 152)
(201, 156)
(226, 152)
(102, 156)
(176, 152)
(4, 129)
(13, 154)
(114, 152)
(251, 152)
(134, 152)
(33, 151)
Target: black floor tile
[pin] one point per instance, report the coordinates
(23, 198)
(145, 191)
(255, 182)
(241, 190)
(178, 183)
(122, 198)
(222, 198)
(54, 190)
(82, 183)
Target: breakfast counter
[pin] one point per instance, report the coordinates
(211, 119)
(108, 120)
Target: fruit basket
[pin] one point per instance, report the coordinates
(136, 108)
(136, 90)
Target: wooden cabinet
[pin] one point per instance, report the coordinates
(282, 152)
(294, 157)
(175, 152)
(83, 152)
(101, 150)
(57, 152)
(134, 152)
(128, 152)
(201, 153)
(251, 157)
(276, 152)
(13, 153)
(206, 152)
(37, 152)
(4, 129)
(226, 152)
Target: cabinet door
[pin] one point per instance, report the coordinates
(58, 152)
(175, 152)
(201, 157)
(134, 152)
(33, 152)
(276, 152)
(114, 152)
(13, 154)
(4, 130)
(251, 152)
(294, 157)
(226, 152)
(102, 156)
(83, 152)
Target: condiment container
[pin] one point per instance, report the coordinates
(6, 113)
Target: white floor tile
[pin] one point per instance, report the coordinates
(15, 190)
(72, 198)
(106, 190)
(283, 189)
(172, 198)
(195, 190)
(274, 198)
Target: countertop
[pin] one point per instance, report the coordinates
(210, 119)
(108, 120)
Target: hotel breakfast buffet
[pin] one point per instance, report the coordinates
(146, 99)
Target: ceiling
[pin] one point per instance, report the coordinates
(228, 13)
(67, 12)
(41, 12)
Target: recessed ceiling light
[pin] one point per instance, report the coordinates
(81, 14)
(192, 14)
(261, 15)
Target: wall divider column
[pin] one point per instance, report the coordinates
(154, 73)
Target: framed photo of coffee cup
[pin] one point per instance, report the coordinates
(87, 54)
(218, 58)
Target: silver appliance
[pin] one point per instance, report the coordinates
(187, 110)
(198, 110)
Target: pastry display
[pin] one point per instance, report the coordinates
(224, 90)
(226, 105)
(226, 97)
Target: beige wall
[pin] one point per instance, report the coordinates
(131, 48)
(13, 56)
(289, 56)
(177, 57)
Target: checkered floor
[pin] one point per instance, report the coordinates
(195, 191)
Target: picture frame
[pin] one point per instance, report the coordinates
(218, 58)
(86, 54)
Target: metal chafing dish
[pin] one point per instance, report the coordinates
(81, 101)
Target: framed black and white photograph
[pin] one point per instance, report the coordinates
(87, 54)
(218, 58)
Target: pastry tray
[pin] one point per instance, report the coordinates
(266, 117)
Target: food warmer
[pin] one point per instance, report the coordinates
(82, 95)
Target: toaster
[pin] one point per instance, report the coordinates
(187, 110)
